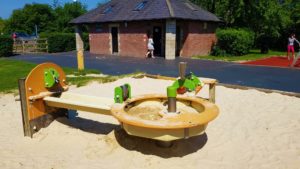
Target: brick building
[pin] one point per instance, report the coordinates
(122, 27)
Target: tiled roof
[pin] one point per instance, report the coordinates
(124, 10)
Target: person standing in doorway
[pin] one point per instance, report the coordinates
(150, 47)
(290, 47)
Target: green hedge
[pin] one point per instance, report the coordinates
(63, 42)
(6, 46)
(234, 42)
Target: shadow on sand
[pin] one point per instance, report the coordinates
(88, 125)
(179, 148)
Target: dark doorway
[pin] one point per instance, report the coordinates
(114, 40)
(178, 41)
(157, 40)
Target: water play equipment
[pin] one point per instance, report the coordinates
(166, 117)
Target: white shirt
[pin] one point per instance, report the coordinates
(292, 40)
(150, 44)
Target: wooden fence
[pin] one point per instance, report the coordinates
(31, 46)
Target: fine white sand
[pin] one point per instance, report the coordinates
(254, 130)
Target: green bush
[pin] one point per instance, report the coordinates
(217, 51)
(234, 42)
(63, 42)
(60, 42)
(6, 46)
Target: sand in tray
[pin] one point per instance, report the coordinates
(152, 110)
(147, 110)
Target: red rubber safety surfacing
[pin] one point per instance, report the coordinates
(275, 62)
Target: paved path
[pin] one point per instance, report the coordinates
(284, 79)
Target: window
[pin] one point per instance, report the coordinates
(108, 10)
(98, 28)
(140, 6)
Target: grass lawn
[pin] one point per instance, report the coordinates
(253, 55)
(12, 70)
(84, 80)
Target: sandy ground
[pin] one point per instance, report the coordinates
(254, 130)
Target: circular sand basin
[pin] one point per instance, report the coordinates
(147, 116)
(157, 109)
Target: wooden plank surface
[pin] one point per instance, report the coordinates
(67, 100)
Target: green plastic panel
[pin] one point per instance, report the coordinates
(122, 93)
(51, 77)
(190, 82)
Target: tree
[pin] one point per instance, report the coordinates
(294, 8)
(227, 10)
(230, 10)
(209, 5)
(24, 20)
(2, 26)
(65, 14)
(269, 19)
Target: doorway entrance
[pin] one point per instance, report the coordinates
(114, 40)
(157, 35)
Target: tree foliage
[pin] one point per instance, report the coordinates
(47, 18)
(6, 46)
(270, 20)
(66, 13)
(294, 9)
(25, 19)
(209, 5)
(2, 25)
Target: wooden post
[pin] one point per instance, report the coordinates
(23, 46)
(14, 46)
(25, 118)
(212, 92)
(79, 47)
(36, 46)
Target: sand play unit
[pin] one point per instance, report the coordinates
(165, 118)
(146, 125)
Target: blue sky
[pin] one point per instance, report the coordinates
(7, 6)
